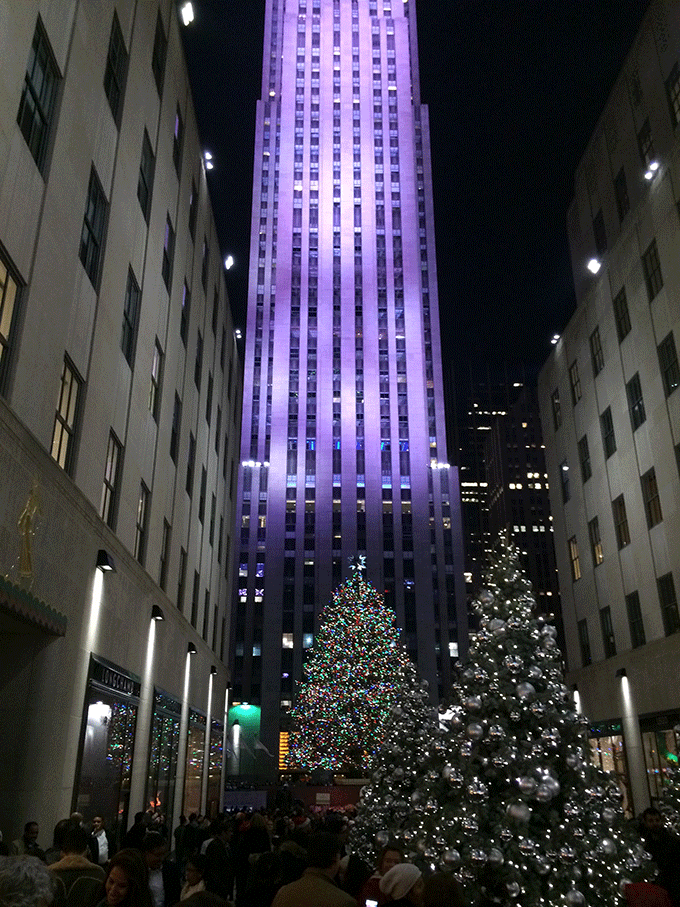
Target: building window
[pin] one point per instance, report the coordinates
(36, 109)
(595, 541)
(596, 354)
(669, 604)
(9, 290)
(194, 599)
(645, 143)
(174, 431)
(191, 462)
(193, 209)
(621, 314)
(130, 318)
(94, 224)
(564, 481)
(584, 458)
(635, 624)
(116, 70)
(636, 405)
(556, 408)
(181, 578)
(204, 264)
(620, 522)
(608, 436)
(574, 559)
(178, 141)
(165, 556)
(141, 528)
(668, 363)
(608, 640)
(168, 252)
(66, 419)
(574, 382)
(584, 642)
(651, 267)
(600, 233)
(198, 364)
(650, 494)
(146, 173)
(209, 399)
(673, 92)
(621, 192)
(160, 47)
(184, 315)
(109, 503)
(155, 382)
(201, 500)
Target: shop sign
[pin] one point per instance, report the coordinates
(114, 681)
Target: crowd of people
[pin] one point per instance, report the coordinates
(291, 859)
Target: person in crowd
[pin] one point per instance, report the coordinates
(100, 843)
(61, 829)
(127, 881)
(192, 836)
(403, 884)
(27, 845)
(76, 878)
(25, 882)
(214, 825)
(265, 880)
(316, 888)
(164, 879)
(135, 834)
(194, 873)
(442, 889)
(179, 834)
(205, 899)
(293, 853)
(219, 869)
(389, 856)
(353, 874)
(664, 849)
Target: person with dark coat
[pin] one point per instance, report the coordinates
(664, 849)
(219, 869)
(77, 880)
(165, 884)
(135, 834)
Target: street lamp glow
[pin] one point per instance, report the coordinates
(228, 262)
(187, 13)
(555, 339)
(594, 265)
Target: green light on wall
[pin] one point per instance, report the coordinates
(248, 716)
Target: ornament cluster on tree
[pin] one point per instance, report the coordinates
(504, 793)
(353, 678)
(669, 805)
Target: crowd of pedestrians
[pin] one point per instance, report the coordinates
(279, 859)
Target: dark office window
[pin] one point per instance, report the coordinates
(608, 436)
(650, 494)
(160, 49)
(130, 318)
(198, 364)
(168, 252)
(209, 399)
(584, 458)
(194, 599)
(621, 192)
(574, 382)
(142, 525)
(201, 500)
(574, 561)
(668, 363)
(184, 315)
(165, 556)
(621, 314)
(204, 264)
(621, 522)
(215, 310)
(635, 624)
(36, 109)
(174, 431)
(191, 462)
(111, 487)
(673, 93)
(94, 225)
(193, 209)
(596, 354)
(595, 541)
(636, 405)
(564, 481)
(147, 168)
(669, 604)
(645, 143)
(116, 70)
(584, 642)
(607, 632)
(651, 267)
(556, 408)
(178, 141)
(600, 233)
(181, 578)
(156, 380)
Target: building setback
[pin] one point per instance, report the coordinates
(610, 408)
(118, 400)
(343, 442)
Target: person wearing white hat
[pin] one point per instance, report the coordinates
(403, 884)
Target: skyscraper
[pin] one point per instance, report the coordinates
(343, 439)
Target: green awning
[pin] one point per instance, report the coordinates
(19, 604)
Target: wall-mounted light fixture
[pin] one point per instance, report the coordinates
(187, 12)
(157, 613)
(191, 649)
(622, 672)
(105, 562)
(213, 670)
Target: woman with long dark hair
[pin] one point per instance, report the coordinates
(127, 881)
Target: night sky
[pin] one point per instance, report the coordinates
(515, 89)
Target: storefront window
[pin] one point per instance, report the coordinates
(102, 785)
(194, 764)
(607, 750)
(160, 789)
(214, 768)
(661, 746)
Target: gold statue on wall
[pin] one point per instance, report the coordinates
(26, 527)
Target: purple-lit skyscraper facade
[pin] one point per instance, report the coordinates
(343, 439)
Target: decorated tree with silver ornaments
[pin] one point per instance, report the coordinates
(669, 803)
(504, 794)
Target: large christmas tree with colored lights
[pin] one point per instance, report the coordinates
(504, 793)
(354, 677)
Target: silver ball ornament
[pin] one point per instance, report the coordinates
(451, 857)
(526, 691)
(496, 858)
(513, 889)
(608, 847)
(527, 785)
(519, 811)
(473, 703)
(474, 731)
(574, 898)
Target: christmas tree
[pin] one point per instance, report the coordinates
(505, 794)
(669, 803)
(353, 678)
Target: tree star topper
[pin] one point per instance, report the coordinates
(358, 564)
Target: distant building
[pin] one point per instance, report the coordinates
(119, 394)
(610, 407)
(344, 447)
